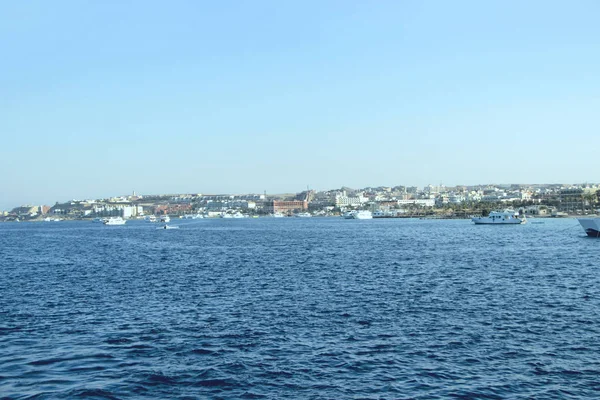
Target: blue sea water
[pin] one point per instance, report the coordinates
(317, 308)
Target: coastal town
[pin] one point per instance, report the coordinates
(550, 200)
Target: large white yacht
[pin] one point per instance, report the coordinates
(115, 221)
(363, 214)
(500, 217)
(591, 226)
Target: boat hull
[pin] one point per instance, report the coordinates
(114, 221)
(591, 226)
(500, 217)
(484, 221)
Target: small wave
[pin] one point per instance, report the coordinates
(251, 395)
(160, 379)
(215, 383)
(118, 341)
(93, 394)
(203, 352)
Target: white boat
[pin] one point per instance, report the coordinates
(165, 218)
(358, 214)
(115, 221)
(349, 214)
(500, 217)
(150, 218)
(591, 226)
(98, 219)
(277, 214)
(193, 216)
(363, 214)
(303, 215)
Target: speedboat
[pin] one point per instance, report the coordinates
(303, 215)
(165, 218)
(500, 217)
(591, 226)
(277, 214)
(115, 221)
(168, 227)
(150, 218)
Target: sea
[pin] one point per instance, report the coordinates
(299, 308)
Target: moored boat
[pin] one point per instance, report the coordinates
(363, 214)
(349, 214)
(500, 217)
(358, 214)
(192, 216)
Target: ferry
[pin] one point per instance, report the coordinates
(115, 221)
(500, 217)
(591, 226)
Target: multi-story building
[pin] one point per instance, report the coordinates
(117, 210)
(571, 199)
(342, 200)
(286, 206)
(418, 202)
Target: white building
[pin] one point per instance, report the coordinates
(341, 200)
(120, 210)
(420, 202)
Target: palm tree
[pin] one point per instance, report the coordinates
(590, 198)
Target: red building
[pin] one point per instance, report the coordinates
(286, 207)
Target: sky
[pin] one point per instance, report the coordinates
(101, 98)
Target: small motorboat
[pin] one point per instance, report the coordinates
(168, 227)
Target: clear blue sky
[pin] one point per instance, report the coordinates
(100, 98)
